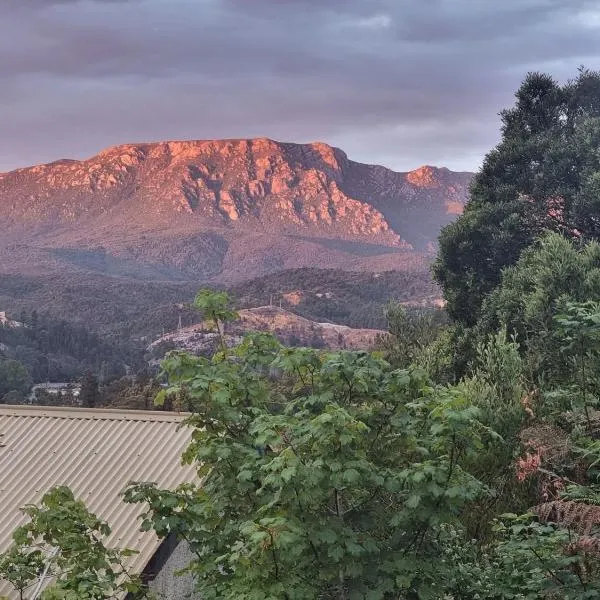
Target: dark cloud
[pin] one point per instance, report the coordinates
(401, 83)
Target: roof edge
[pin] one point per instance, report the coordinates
(101, 414)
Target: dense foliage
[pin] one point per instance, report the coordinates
(338, 476)
(63, 541)
(37, 348)
(410, 332)
(342, 477)
(14, 378)
(549, 276)
(544, 175)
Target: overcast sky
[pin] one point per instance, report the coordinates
(395, 82)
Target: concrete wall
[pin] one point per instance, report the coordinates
(166, 584)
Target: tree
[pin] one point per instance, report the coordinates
(336, 474)
(13, 397)
(89, 395)
(579, 327)
(548, 276)
(409, 333)
(544, 175)
(64, 541)
(217, 309)
(14, 377)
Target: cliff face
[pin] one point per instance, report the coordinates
(224, 209)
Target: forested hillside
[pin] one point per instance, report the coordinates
(37, 348)
(124, 309)
(349, 298)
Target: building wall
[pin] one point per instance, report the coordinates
(166, 584)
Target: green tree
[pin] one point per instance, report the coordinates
(64, 541)
(217, 308)
(529, 560)
(14, 377)
(13, 397)
(496, 387)
(548, 276)
(544, 175)
(579, 327)
(324, 475)
(410, 332)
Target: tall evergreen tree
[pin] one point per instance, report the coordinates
(89, 395)
(544, 175)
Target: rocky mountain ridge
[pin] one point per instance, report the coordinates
(223, 209)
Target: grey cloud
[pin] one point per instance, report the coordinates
(28, 5)
(396, 82)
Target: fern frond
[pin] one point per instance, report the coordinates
(579, 516)
(588, 494)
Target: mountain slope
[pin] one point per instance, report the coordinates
(223, 211)
(289, 328)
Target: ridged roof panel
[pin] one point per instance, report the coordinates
(96, 453)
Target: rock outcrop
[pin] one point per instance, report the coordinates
(289, 328)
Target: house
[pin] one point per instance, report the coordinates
(6, 322)
(56, 389)
(97, 453)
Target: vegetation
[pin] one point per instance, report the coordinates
(136, 393)
(543, 176)
(64, 541)
(126, 310)
(356, 299)
(89, 395)
(343, 477)
(338, 476)
(54, 350)
(122, 309)
(549, 277)
(14, 379)
(410, 333)
(39, 349)
(458, 461)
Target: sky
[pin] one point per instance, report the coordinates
(395, 82)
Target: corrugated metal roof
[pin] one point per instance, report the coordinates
(96, 453)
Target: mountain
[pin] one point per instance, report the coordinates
(152, 221)
(226, 209)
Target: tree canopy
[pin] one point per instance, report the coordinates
(337, 474)
(14, 377)
(549, 275)
(64, 542)
(543, 175)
